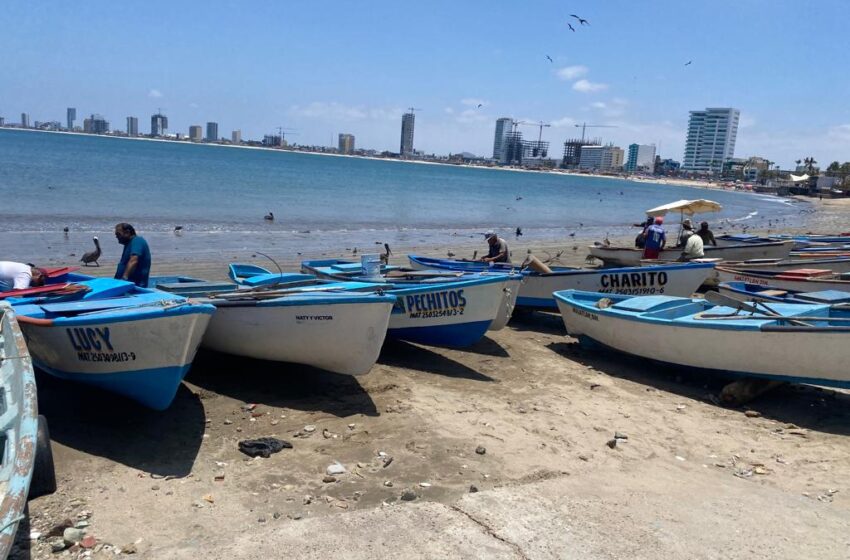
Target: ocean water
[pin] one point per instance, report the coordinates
(219, 196)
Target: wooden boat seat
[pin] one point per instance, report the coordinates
(803, 273)
(830, 297)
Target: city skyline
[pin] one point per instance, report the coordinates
(458, 81)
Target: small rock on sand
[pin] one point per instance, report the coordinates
(408, 495)
(481, 450)
(335, 469)
(752, 413)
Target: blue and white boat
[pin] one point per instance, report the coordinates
(791, 342)
(301, 320)
(449, 310)
(19, 423)
(796, 280)
(744, 291)
(629, 256)
(677, 279)
(133, 341)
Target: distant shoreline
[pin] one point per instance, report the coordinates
(692, 183)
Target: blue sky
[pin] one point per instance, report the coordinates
(328, 67)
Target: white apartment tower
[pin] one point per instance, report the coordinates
(711, 139)
(641, 158)
(503, 128)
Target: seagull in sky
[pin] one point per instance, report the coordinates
(550, 59)
(688, 63)
(581, 20)
(480, 105)
(573, 29)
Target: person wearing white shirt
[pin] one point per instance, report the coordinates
(693, 249)
(19, 276)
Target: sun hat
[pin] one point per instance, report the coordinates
(490, 233)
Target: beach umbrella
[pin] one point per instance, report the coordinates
(689, 207)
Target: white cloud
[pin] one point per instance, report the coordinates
(746, 122)
(840, 132)
(154, 94)
(449, 111)
(473, 102)
(598, 105)
(586, 86)
(563, 122)
(471, 115)
(614, 108)
(194, 105)
(341, 112)
(572, 72)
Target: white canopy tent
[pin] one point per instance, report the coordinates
(689, 207)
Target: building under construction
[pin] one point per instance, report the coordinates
(572, 150)
(517, 151)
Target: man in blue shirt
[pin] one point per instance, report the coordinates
(135, 263)
(655, 239)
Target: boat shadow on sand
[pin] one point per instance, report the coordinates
(279, 384)
(816, 408)
(398, 353)
(100, 423)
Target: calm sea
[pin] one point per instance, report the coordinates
(219, 196)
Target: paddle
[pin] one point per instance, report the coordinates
(717, 298)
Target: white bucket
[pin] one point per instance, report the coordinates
(371, 265)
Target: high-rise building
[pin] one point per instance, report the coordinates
(25, 120)
(96, 124)
(2, 121)
(159, 124)
(407, 122)
(196, 133)
(212, 132)
(346, 143)
(503, 128)
(601, 158)
(641, 158)
(236, 136)
(71, 117)
(711, 139)
(132, 126)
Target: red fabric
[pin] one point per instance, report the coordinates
(651, 253)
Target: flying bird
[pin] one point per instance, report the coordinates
(518, 232)
(550, 59)
(688, 63)
(581, 20)
(178, 230)
(92, 256)
(480, 105)
(573, 29)
(269, 217)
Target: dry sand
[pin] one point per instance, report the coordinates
(694, 478)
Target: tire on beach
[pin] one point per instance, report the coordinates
(43, 472)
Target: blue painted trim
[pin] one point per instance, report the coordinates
(128, 314)
(154, 388)
(456, 336)
(320, 298)
(591, 343)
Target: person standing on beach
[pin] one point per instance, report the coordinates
(656, 239)
(498, 249)
(706, 234)
(135, 263)
(19, 276)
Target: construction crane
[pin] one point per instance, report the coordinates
(412, 109)
(541, 124)
(283, 131)
(585, 125)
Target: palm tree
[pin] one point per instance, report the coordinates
(810, 162)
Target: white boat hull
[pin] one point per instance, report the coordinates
(340, 337)
(510, 293)
(793, 356)
(623, 256)
(144, 359)
(677, 280)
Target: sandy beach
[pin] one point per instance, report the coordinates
(500, 450)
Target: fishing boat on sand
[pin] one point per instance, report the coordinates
(797, 280)
(26, 470)
(628, 256)
(487, 297)
(328, 326)
(743, 291)
(133, 341)
(678, 279)
(789, 342)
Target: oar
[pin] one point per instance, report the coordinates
(723, 300)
